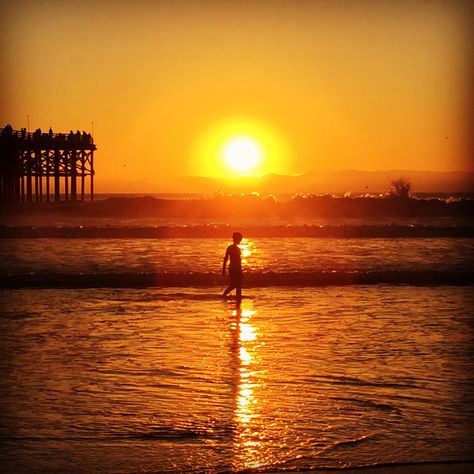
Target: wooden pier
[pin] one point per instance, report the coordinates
(38, 166)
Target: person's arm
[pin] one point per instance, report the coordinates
(226, 257)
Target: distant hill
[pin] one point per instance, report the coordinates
(311, 182)
(337, 182)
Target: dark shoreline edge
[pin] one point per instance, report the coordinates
(252, 280)
(422, 467)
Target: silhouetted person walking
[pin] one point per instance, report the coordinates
(233, 254)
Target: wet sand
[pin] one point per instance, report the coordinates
(172, 380)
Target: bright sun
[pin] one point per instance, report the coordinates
(242, 154)
(239, 147)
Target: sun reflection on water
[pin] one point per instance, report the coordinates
(249, 430)
(247, 248)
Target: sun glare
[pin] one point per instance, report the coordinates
(239, 147)
(242, 154)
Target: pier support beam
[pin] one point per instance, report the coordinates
(73, 162)
(57, 183)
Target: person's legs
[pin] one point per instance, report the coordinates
(235, 283)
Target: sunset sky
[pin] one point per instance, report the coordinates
(177, 88)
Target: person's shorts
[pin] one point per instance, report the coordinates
(235, 277)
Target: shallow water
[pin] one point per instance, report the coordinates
(260, 255)
(156, 380)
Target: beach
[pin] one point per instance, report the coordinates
(236, 237)
(295, 379)
(351, 349)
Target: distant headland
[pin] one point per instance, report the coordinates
(355, 182)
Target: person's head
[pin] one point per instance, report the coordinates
(237, 237)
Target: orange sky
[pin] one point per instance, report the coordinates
(369, 85)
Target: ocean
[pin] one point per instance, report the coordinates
(119, 355)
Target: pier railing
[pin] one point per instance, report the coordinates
(45, 138)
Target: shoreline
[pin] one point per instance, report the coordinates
(428, 467)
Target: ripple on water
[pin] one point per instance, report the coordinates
(295, 378)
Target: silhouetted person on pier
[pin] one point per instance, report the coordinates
(7, 130)
(233, 253)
